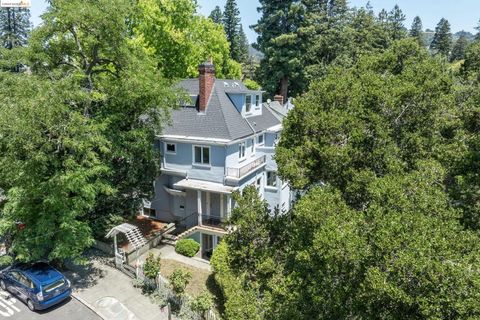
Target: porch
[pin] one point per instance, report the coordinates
(209, 204)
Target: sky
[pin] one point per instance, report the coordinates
(462, 14)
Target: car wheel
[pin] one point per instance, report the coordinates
(30, 305)
(2, 285)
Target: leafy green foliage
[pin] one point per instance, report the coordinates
(179, 280)
(179, 39)
(152, 265)
(369, 120)
(202, 303)
(91, 108)
(251, 84)
(187, 247)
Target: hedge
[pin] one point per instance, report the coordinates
(187, 247)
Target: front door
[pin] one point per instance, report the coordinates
(207, 246)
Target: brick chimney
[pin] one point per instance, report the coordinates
(279, 99)
(206, 83)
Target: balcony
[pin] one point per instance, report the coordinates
(246, 169)
(213, 221)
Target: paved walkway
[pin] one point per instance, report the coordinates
(168, 252)
(95, 282)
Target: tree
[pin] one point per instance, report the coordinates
(417, 31)
(281, 70)
(379, 263)
(179, 39)
(14, 27)
(244, 46)
(442, 40)
(458, 51)
(231, 24)
(91, 124)
(365, 126)
(395, 19)
(216, 15)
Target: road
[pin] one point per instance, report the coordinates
(71, 309)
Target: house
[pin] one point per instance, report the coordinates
(220, 140)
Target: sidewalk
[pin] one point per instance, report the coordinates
(95, 285)
(168, 252)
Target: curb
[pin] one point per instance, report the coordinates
(86, 304)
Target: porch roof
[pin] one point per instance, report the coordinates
(193, 184)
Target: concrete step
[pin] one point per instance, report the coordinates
(169, 242)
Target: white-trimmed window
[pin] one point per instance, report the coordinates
(170, 148)
(261, 139)
(259, 183)
(257, 100)
(241, 150)
(252, 146)
(248, 103)
(271, 179)
(201, 155)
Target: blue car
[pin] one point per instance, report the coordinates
(39, 285)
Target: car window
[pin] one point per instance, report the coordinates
(26, 281)
(53, 286)
(15, 275)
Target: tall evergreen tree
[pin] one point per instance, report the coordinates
(282, 68)
(243, 45)
(14, 27)
(231, 23)
(396, 18)
(216, 15)
(417, 30)
(442, 40)
(459, 49)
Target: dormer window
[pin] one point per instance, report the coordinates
(248, 104)
(257, 100)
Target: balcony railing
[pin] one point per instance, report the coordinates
(246, 169)
(213, 221)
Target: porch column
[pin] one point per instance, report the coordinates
(229, 205)
(207, 211)
(199, 207)
(222, 213)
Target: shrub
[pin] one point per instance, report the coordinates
(151, 269)
(202, 303)
(179, 280)
(187, 247)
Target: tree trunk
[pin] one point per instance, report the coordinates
(284, 88)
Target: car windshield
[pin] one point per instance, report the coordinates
(53, 286)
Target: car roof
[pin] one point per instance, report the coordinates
(42, 272)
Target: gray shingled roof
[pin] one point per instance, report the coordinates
(221, 119)
(264, 121)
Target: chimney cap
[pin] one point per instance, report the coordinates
(207, 64)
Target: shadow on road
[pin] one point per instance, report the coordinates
(55, 307)
(86, 275)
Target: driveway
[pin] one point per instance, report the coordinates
(71, 309)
